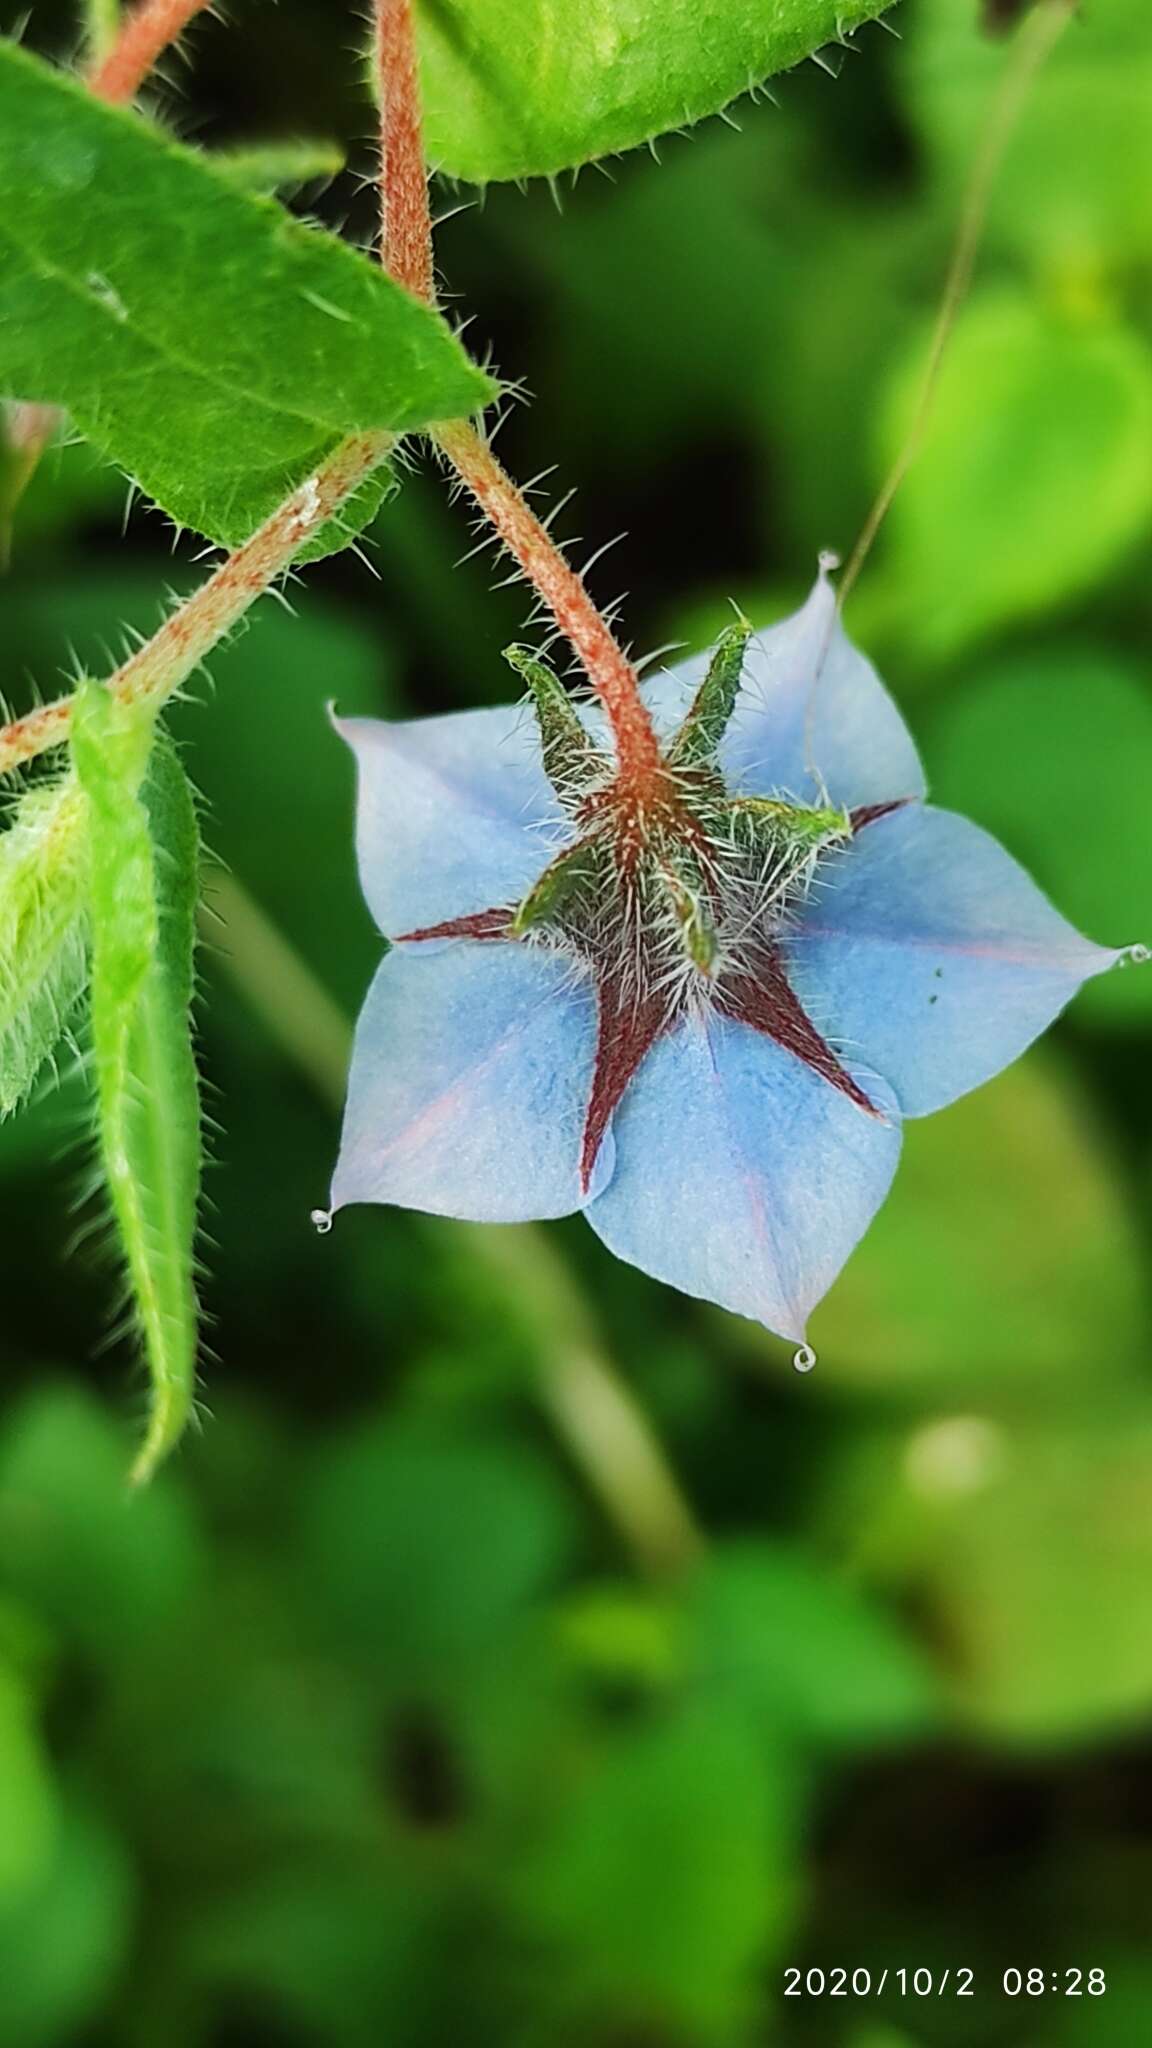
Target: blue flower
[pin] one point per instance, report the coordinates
(701, 1017)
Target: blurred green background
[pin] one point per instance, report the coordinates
(417, 1704)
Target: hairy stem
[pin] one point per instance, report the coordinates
(405, 222)
(603, 659)
(604, 1431)
(147, 32)
(406, 251)
(158, 669)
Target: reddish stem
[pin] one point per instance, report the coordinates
(147, 31)
(406, 251)
(405, 222)
(603, 659)
(156, 671)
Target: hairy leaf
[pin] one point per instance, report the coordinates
(520, 88)
(42, 931)
(213, 347)
(143, 897)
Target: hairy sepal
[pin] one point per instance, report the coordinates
(572, 761)
(43, 929)
(143, 885)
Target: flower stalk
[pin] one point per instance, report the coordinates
(602, 658)
(118, 75)
(406, 252)
(405, 221)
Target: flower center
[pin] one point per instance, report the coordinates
(676, 897)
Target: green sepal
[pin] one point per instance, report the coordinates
(572, 761)
(770, 822)
(703, 729)
(562, 879)
(683, 885)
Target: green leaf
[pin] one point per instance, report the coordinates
(1051, 749)
(107, 1577)
(27, 1793)
(375, 1524)
(1028, 1547)
(524, 88)
(803, 1648)
(666, 1881)
(218, 381)
(63, 1945)
(1034, 478)
(145, 856)
(43, 884)
(1005, 1261)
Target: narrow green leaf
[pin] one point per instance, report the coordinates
(280, 166)
(219, 380)
(42, 931)
(145, 849)
(524, 88)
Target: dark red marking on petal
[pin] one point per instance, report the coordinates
(627, 1029)
(766, 1000)
(482, 924)
(868, 814)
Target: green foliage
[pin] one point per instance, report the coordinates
(63, 1944)
(144, 886)
(102, 1573)
(194, 376)
(43, 881)
(1004, 1261)
(657, 1881)
(1034, 479)
(1051, 749)
(363, 1725)
(1067, 209)
(27, 1791)
(375, 1518)
(1033, 1546)
(517, 90)
(809, 1654)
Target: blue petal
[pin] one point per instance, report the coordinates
(930, 956)
(454, 815)
(741, 1176)
(471, 1074)
(813, 719)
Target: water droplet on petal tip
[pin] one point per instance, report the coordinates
(804, 1359)
(321, 1220)
(1135, 956)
